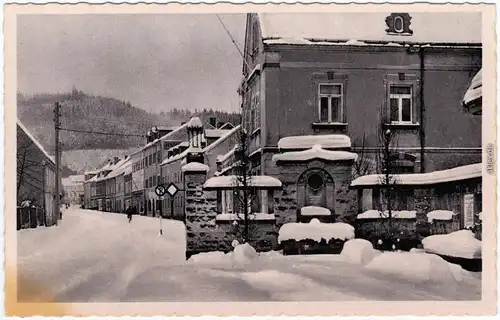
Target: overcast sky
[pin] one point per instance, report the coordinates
(157, 62)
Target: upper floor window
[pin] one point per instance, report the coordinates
(400, 100)
(330, 103)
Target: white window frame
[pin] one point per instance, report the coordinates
(400, 97)
(329, 96)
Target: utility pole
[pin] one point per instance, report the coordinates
(57, 127)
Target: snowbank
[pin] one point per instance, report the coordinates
(230, 182)
(195, 167)
(316, 231)
(460, 244)
(214, 257)
(439, 215)
(359, 251)
(316, 152)
(243, 253)
(315, 211)
(375, 214)
(338, 141)
(474, 92)
(454, 174)
(415, 267)
(253, 216)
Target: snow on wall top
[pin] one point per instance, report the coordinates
(35, 142)
(315, 211)
(231, 182)
(439, 215)
(462, 244)
(315, 230)
(195, 167)
(316, 152)
(475, 89)
(375, 214)
(325, 141)
(428, 27)
(459, 173)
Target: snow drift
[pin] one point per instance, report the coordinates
(359, 251)
(460, 244)
(315, 230)
(416, 267)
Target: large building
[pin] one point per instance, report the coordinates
(36, 181)
(321, 73)
(73, 189)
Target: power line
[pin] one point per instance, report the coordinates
(234, 42)
(104, 133)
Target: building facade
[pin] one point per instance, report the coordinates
(73, 189)
(408, 78)
(36, 181)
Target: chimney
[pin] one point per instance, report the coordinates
(116, 160)
(213, 122)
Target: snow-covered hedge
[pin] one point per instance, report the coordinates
(459, 244)
(359, 251)
(316, 231)
(416, 267)
(439, 215)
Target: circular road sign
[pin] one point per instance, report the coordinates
(160, 190)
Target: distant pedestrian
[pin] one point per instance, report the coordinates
(129, 214)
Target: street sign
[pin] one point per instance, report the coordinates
(172, 189)
(160, 190)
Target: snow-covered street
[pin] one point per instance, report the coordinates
(100, 257)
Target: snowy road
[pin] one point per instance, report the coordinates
(100, 257)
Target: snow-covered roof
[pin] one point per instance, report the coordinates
(428, 27)
(224, 157)
(316, 152)
(474, 92)
(35, 141)
(328, 141)
(215, 133)
(120, 169)
(195, 167)
(455, 174)
(315, 211)
(316, 231)
(180, 155)
(439, 215)
(375, 214)
(226, 169)
(227, 135)
(232, 182)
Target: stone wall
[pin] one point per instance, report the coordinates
(205, 233)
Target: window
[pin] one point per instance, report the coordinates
(150, 159)
(400, 104)
(159, 156)
(154, 180)
(330, 103)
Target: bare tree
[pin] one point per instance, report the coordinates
(364, 164)
(387, 180)
(244, 194)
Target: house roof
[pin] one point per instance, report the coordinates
(428, 27)
(121, 168)
(35, 141)
(455, 174)
(474, 92)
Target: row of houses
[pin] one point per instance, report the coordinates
(312, 100)
(131, 181)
